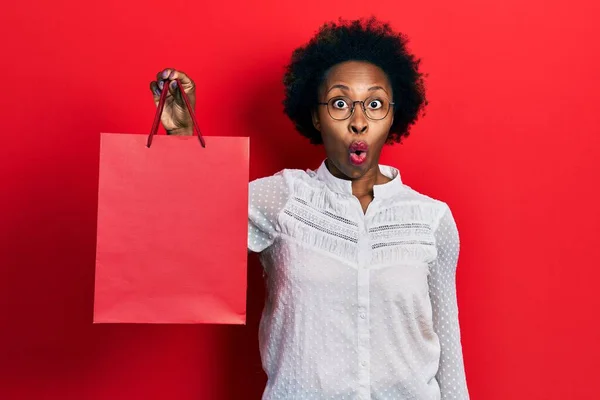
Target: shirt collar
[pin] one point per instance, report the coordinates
(344, 186)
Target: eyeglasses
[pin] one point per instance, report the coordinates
(341, 108)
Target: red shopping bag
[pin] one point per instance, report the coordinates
(172, 228)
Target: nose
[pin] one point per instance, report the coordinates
(358, 120)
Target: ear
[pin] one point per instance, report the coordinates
(315, 119)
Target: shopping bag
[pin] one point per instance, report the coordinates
(172, 227)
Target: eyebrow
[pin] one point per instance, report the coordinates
(339, 86)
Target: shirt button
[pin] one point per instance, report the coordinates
(363, 315)
(363, 363)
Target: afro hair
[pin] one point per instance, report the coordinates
(358, 40)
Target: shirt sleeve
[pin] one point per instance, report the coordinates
(442, 289)
(266, 198)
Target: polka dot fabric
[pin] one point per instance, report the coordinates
(359, 305)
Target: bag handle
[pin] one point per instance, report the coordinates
(161, 105)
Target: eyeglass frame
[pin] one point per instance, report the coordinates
(362, 105)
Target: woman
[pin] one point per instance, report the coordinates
(360, 268)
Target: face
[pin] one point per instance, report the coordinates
(356, 80)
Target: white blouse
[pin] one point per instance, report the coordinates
(359, 305)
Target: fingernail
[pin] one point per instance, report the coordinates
(173, 84)
(165, 73)
(161, 84)
(171, 74)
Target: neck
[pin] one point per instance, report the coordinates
(362, 186)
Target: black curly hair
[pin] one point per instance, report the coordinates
(359, 40)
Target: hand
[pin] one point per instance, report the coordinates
(175, 117)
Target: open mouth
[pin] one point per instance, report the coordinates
(358, 157)
(358, 152)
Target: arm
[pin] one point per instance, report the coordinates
(442, 290)
(266, 197)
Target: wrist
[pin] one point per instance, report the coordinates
(184, 131)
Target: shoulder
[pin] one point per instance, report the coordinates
(284, 180)
(410, 194)
(434, 207)
(405, 194)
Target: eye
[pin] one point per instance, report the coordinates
(339, 103)
(375, 104)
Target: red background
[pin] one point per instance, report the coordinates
(510, 141)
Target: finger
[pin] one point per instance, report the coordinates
(155, 91)
(174, 91)
(185, 80)
(154, 88)
(161, 84)
(164, 74)
(172, 74)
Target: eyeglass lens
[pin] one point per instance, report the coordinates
(375, 107)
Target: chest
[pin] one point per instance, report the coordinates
(337, 255)
(363, 232)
